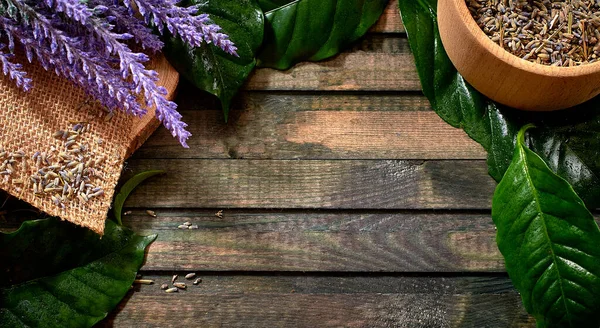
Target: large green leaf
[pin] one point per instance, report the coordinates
(268, 5)
(314, 29)
(55, 274)
(208, 67)
(566, 140)
(550, 242)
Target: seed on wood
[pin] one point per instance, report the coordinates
(127, 213)
(164, 286)
(193, 227)
(151, 213)
(180, 285)
(219, 214)
(182, 226)
(187, 223)
(190, 275)
(172, 290)
(197, 281)
(174, 278)
(143, 281)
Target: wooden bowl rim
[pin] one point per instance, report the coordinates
(519, 63)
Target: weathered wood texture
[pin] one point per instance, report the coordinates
(315, 126)
(390, 21)
(327, 184)
(309, 301)
(319, 242)
(346, 203)
(376, 63)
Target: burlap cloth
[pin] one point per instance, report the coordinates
(28, 122)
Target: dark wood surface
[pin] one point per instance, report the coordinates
(346, 202)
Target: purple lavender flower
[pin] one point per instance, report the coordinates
(89, 47)
(182, 22)
(125, 21)
(75, 9)
(13, 70)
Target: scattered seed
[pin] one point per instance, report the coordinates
(197, 281)
(143, 281)
(164, 286)
(180, 285)
(174, 278)
(127, 213)
(219, 214)
(172, 290)
(190, 275)
(182, 226)
(151, 213)
(193, 227)
(187, 223)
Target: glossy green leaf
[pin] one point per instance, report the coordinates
(314, 29)
(566, 140)
(208, 67)
(268, 5)
(55, 274)
(550, 242)
(127, 188)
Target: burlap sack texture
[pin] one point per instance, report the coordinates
(29, 120)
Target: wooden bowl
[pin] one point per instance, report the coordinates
(504, 77)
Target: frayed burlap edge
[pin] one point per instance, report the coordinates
(29, 120)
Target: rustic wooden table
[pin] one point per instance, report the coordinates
(347, 202)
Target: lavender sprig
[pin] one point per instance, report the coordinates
(183, 22)
(123, 19)
(88, 44)
(75, 9)
(13, 70)
(95, 76)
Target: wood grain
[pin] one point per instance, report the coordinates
(376, 63)
(319, 242)
(301, 301)
(327, 184)
(317, 126)
(390, 21)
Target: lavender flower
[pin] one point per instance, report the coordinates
(88, 44)
(13, 70)
(181, 22)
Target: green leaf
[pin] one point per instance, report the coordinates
(55, 274)
(127, 188)
(550, 242)
(314, 29)
(268, 5)
(567, 140)
(208, 67)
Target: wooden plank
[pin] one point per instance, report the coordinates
(390, 21)
(376, 63)
(331, 184)
(319, 242)
(305, 301)
(328, 126)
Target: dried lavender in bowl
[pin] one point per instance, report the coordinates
(557, 33)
